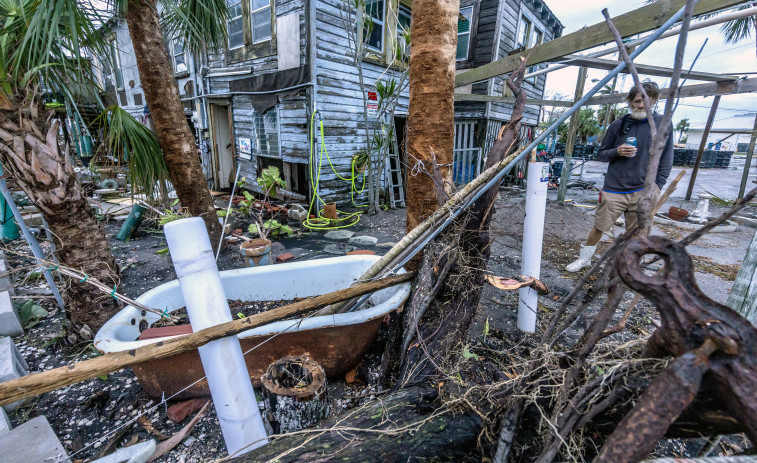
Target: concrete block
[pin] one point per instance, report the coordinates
(6, 283)
(10, 325)
(339, 235)
(34, 440)
(12, 366)
(363, 241)
(5, 423)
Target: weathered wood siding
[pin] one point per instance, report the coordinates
(340, 101)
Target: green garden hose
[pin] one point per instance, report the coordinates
(348, 219)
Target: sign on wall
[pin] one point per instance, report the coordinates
(372, 104)
(245, 148)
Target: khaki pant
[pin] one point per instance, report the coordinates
(613, 205)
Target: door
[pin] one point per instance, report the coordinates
(223, 147)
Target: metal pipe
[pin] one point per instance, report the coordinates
(533, 238)
(33, 243)
(228, 209)
(699, 25)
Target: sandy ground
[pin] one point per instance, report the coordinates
(90, 415)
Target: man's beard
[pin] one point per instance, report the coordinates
(638, 114)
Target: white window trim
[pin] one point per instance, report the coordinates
(382, 23)
(467, 50)
(252, 25)
(278, 137)
(241, 17)
(174, 55)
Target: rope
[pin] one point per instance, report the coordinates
(347, 219)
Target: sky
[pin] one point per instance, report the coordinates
(735, 111)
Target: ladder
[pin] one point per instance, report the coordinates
(393, 175)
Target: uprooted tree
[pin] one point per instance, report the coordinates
(549, 398)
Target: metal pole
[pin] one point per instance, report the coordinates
(702, 145)
(496, 179)
(228, 209)
(748, 162)
(33, 243)
(571, 139)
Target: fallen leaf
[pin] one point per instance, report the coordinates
(147, 424)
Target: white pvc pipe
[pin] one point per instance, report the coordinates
(533, 234)
(206, 303)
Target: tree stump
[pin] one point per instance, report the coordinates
(294, 394)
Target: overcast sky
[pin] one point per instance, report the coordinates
(735, 111)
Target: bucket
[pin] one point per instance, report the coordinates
(256, 252)
(677, 214)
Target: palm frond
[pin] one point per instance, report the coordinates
(126, 137)
(200, 23)
(738, 29)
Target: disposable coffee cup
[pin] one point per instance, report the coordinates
(631, 141)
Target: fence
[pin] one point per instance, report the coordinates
(466, 165)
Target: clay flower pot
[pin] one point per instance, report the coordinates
(256, 252)
(677, 214)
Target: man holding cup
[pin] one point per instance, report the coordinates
(626, 148)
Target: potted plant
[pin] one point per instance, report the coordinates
(257, 251)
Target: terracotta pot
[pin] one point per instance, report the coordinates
(256, 252)
(329, 211)
(678, 214)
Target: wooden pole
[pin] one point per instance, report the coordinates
(702, 145)
(571, 139)
(743, 297)
(39, 383)
(748, 162)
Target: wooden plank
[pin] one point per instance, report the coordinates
(607, 65)
(637, 21)
(711, 89)
(743, 297)
(39, 383)
(511, 100)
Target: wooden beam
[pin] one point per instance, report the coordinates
(646, 69)
(637, 21)
(748, 161)
(733, 132)
(39, 383)
(570, 140)
(510, 100)
(711, 89)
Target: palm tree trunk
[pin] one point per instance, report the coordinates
(431, 118)
(162, 96)
(35, 161)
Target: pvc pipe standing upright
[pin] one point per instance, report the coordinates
(228, 379)
(533, 234)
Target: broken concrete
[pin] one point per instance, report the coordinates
(363, 241)
(12, 366)
(33, 441)
(339, 235)
(10, 325)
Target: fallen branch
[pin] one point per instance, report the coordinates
(39, 383)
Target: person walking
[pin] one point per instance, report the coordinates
(626, 148)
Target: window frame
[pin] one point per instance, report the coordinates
(239, 18)
(400, 30)
(525, 39)
(382, 24)
(183, 53)
(469, 33)
(260, 119)
(252, 24)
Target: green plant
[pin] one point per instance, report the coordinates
(270, 180)
(30, 314)
(171, 216)
(271, 227)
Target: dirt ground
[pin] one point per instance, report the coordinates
(96, 415)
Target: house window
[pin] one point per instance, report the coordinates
(266, 133)
(261, 20)
(403, 28)
(538, 37)
(525, 32)
(463, 32)
(179, 57)
(375, 33)
(234, 24)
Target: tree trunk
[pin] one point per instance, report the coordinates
(397, 428)
(38, 166)
(430, 123)
(162, 96)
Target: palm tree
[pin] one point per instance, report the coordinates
(740, 29)
(587, 124)
(682, 128)
(42, 56)
(39, 49)
(202, 24)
